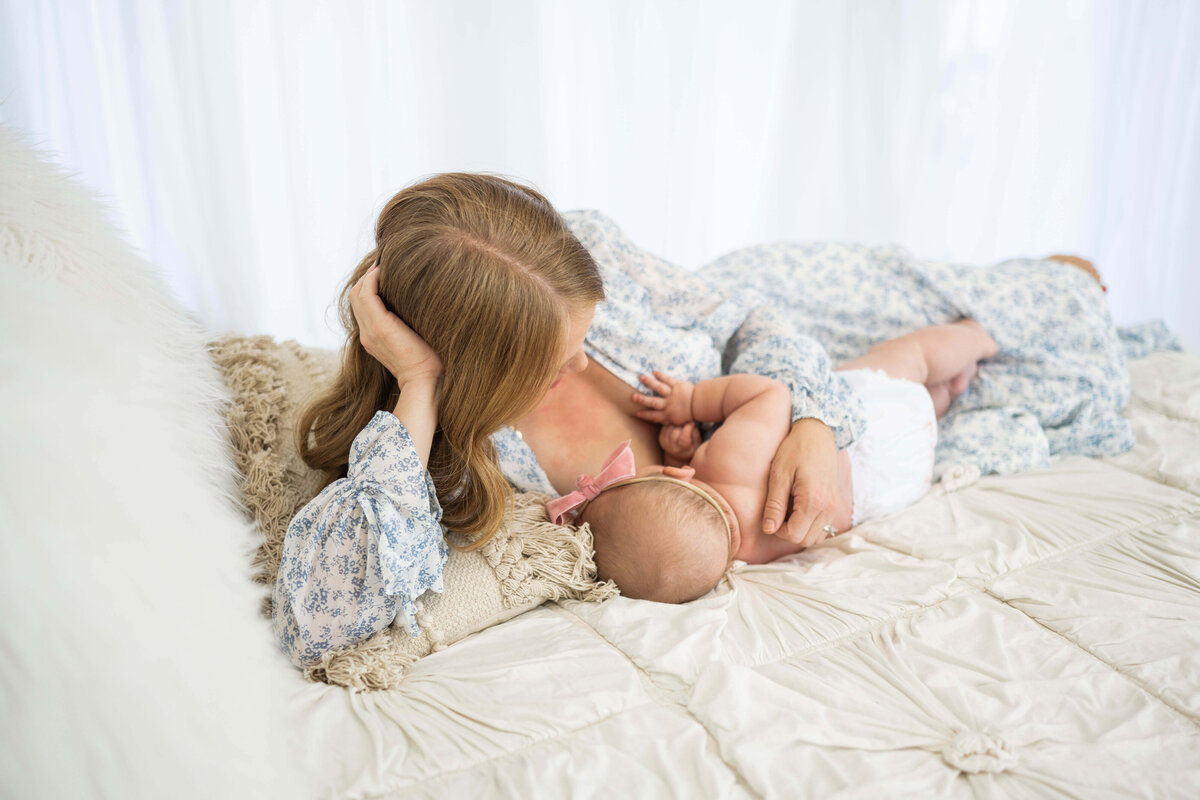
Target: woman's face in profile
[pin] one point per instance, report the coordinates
(577, 327)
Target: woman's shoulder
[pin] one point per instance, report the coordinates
(589, 221)
(635, 277)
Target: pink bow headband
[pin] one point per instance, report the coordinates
(617, 467)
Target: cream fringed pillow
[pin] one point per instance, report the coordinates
(529, 561)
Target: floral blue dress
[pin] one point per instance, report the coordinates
(360, 553)
(1057, 384)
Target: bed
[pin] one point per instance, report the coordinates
(1030, 635)
(1035, 635)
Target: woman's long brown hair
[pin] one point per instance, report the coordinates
(486, 272)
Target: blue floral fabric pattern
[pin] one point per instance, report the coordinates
(360, 552)
(661, 316)
(1144, 338)
(1057, 384)
(519, 464)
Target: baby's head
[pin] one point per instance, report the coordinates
(659, 538)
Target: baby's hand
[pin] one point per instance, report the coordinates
(673, 406)
(679, 442)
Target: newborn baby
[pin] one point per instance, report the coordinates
(668, 533)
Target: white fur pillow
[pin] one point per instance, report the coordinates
(134, 664)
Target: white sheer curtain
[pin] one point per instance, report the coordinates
(248, 146)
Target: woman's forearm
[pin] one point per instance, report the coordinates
(337, 583)
(417, 409)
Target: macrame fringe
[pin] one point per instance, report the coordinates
(372, 665)
(545, 560)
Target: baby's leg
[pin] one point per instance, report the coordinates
(943, 357)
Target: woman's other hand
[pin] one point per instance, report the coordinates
(385, 336)
(805, 470)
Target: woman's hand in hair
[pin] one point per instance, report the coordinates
(385, 336)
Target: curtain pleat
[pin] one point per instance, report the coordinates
(247, 147)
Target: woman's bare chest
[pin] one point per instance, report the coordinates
(580, 422)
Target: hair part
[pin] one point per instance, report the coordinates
(658, 541)
(486, 272)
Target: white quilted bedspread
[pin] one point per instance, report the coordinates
(1034, 635)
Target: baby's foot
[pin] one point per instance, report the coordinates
(984, 342)
(960, 382)
(944, 393)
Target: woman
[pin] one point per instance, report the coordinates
(425, 420)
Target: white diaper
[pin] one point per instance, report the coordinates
(891, 465)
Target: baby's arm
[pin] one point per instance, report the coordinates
(715, 400)
(742, 399)
(755, 410)
(757, 414)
